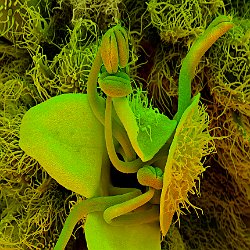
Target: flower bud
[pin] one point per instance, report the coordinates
(151, 177)
(114, 49)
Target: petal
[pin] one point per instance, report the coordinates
(101, 235)
(184, 166)
(147, 129)
(64, 136)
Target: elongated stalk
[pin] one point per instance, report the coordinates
(98, 108)
(139, 217)
(94, 100)
(124, 167)
(215, 30)
(128, 120)
(118, 191)
(88, 206)
(123, 208)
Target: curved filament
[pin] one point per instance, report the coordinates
(123, 208)
(88, 206)
(98, 107)
(124, 167)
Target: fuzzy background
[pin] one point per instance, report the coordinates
(47, 48)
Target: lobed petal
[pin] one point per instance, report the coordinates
(65, 137)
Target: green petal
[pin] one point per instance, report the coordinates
(147, 129)
(101, 235)
(64, 136)
(154, 131)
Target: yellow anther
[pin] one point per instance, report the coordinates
(114, 49)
